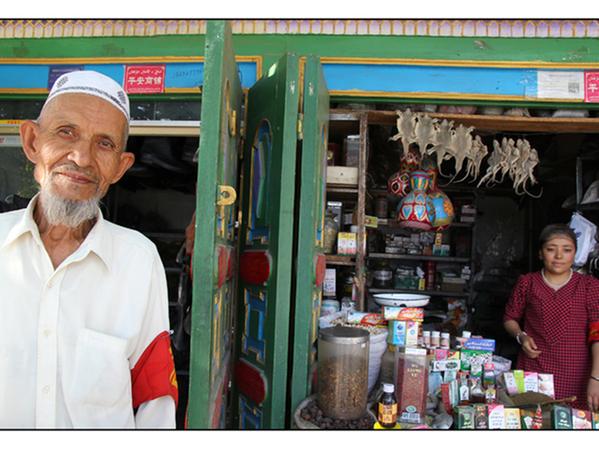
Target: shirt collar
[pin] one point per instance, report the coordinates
(97, 241)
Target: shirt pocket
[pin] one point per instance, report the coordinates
(101, 373)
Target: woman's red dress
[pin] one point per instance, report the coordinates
(558, 321)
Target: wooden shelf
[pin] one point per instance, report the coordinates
(457, 189)
(394, 225)
(341, 189)
(448, 259)
(411, 291)
(339, 260)
(501, 123)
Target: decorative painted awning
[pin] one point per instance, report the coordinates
(455, 28)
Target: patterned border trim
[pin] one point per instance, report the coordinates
(13, 29)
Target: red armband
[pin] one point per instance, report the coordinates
(154, 374)
(593, 332)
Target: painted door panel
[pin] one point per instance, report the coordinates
(266, 244)
(215, 251)
(311, 263)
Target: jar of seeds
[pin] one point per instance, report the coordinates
(343, 354)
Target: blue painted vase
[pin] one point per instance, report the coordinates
(416, 210)
(444, 212)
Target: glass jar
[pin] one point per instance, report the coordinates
(330, 232)
(348, 285)
(343, 354)
(382, 276)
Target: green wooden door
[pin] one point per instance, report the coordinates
(214, 286)
(311, 263)
(266, 242)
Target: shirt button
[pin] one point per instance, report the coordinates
(46, 390)
(50, 284)
(47, 333)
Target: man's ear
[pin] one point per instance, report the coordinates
(126, 161)
(29, 131)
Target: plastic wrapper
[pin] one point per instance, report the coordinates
(585, 231)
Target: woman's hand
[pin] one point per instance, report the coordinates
(593, 394)
(529, 347)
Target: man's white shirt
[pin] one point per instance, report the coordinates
(70, 336)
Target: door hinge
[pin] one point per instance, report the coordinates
(300, 127)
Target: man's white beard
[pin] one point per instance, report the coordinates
(61, 211)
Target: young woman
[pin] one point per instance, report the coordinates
(554, 316)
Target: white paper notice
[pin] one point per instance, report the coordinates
(560, 85)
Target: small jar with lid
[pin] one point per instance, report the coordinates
(383, 276)
(426, 339)
(331, 228)
(445, 340)
(435, 339)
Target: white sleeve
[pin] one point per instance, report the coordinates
(157, 413)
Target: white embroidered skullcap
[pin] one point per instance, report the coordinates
(92, 83)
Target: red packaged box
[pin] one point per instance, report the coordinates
(411, 385)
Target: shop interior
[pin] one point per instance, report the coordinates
(487, 251)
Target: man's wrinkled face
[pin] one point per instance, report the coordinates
(77, 146)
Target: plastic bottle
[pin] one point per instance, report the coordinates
(445, 340)
(461, 340)
(387, 407)
(435, 339)
(426, 338)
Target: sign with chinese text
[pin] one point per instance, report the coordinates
(591, 87)
(144, 79)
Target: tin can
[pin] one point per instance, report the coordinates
(381, 207)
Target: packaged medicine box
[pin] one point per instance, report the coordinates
(347, 244)
(342, 175)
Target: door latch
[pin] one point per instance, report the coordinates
(227, 196)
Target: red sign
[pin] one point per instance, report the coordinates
(144, 79)
(591, 87)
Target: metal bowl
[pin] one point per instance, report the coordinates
(405, 300)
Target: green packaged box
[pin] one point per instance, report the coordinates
(527, 418)
(481, 419)
(477, 358)
(465, 417)
(562, 417)
(519, 377)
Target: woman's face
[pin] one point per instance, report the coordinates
(558, 254)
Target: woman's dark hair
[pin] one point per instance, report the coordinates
(554, 230)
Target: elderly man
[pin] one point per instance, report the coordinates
(83, 302)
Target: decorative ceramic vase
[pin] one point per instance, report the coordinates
(410, 161)
(444, 212)
(399, 184)
(416, 210)
(429, 165)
